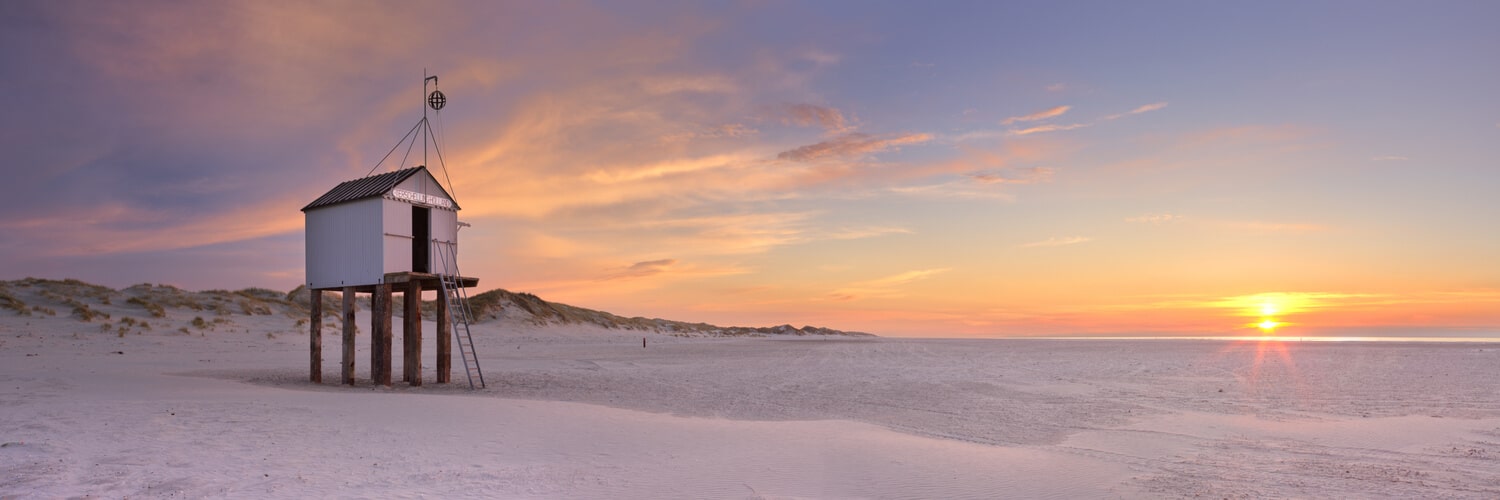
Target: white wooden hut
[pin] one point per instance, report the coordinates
(392, 232)
(365, 229)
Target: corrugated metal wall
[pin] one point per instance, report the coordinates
(344, 244)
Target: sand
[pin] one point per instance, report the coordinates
(576, 412)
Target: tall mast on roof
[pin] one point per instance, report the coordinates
(436, 100)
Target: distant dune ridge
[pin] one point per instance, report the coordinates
(89, 302)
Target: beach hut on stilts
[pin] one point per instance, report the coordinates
(390, 233)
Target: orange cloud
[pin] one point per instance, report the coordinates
(855, 144)
(1028, 175)
(119, 228)
(1138, 110)
(642, 269)
(1154, 218)
(884, 287)
(1039, 115)
(1057, 242)
(808, 114)
(1046, 128)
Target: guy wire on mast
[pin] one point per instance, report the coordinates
(435, 100)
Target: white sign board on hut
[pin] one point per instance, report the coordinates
(421, 199)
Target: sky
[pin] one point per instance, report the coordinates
(902, 168)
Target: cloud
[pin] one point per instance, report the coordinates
(1161, 218)
(1280, 227)
(1057, 242)
(643, 269)
(708, 84)
(865, 232)
(810, 115)
(1039, 115)
(661, 169)
(1056, 87)
(884, 287)
(960, 190)
(821, 57)
(725, 131)
(1028, 175)
(904, 278)
(1051, 127)
(115, 227)
(851, 145)
(1389, 158)
(1046, 128)
(1285, 303)
(1138, 110)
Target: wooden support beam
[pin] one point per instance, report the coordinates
(382, 333)
(411, 334)
(315, 337)
(444, 339)
(348, 364)
(377, 310)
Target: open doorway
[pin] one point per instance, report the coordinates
(421, 239)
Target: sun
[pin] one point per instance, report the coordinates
(1268, 326)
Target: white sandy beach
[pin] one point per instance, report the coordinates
(582, 412)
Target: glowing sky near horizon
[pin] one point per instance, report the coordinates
(903, 168)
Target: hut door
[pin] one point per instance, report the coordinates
(421, 239)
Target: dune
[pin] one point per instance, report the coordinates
(152, 391)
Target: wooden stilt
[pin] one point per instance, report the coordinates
(348, 364)
(315, 338)
(377, 311)
(444, 339)
(384, 321)
(411, 334)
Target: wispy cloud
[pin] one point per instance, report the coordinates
(1146, 108)
(854, 144)
(884, 287)
(724, 131)
(865, 232)
(1027, 175)
(804, 114)
(1039, 115)
(1047, 128)
(643, 269)
(1056, 87)
(1389, 158)
(1161, 218)
(1057, 242)
(1054, 127)
(1281, 227)
(957, 190)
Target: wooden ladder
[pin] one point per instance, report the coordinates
(459, 314)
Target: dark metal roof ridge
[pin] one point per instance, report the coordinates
(367, 187)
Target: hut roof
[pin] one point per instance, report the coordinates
(368, 187)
